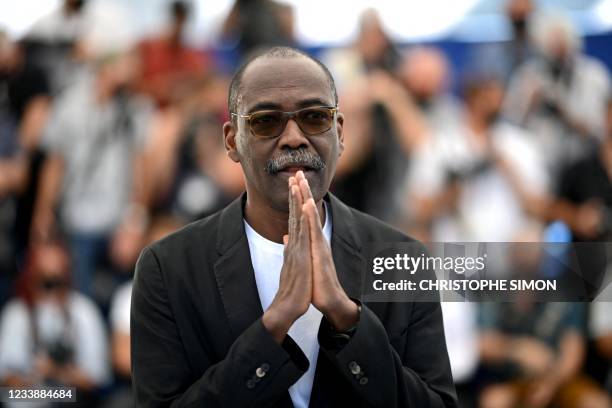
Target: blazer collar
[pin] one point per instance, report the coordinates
(232, 223)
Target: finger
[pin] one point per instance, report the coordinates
(316, 230)
(292, 221)
(305, 188)
(299, 202)
(304, 240)
(295, 213)
(291, 208)
(299, 176)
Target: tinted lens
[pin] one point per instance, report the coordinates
(51, 284)
(315, 120)
(267, 123)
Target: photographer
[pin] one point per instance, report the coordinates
(463, 180)
(51, 335)
(585, 193)
(560, 94)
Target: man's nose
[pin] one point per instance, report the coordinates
(292, 136)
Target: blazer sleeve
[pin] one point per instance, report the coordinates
(414, 373)
(255, 371)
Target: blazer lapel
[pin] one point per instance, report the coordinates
(235, 276)
(346, 251)
(234, 270)
(346, 248)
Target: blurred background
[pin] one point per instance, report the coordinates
(470, 120)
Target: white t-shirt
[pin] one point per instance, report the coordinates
(267, 259)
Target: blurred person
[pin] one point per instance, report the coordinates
(63, 25)
(583, 201)
(460, 182)
(392, 114)
(505, 57)
(368, 65)
(560, 94)
(51, 335)
(375, 47)
(187, 171)
(168, 67)
(372, 50)
(205, 181)
(533, 353)
(24, 105)
(464, 179)
(425, 73)
(55, 42)
(584, 196)
(171, 72)
(93, 173)
(259, 24)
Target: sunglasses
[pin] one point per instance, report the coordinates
(52, 284)
(268, 124)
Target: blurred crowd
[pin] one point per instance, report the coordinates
(107, 146)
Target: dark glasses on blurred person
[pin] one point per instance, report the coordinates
(52, 284)
(268, 124)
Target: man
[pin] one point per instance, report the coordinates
(169, 68)
(505, 56)
(463, 180)
(559, 95)
(224, 315)
(92, 174)
(51, 335)
(24, 106)
(532, 354)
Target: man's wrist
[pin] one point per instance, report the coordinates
(344, 317)
(275, 324)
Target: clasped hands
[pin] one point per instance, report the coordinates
(308, 274)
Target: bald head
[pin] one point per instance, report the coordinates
(235, 90)
(425, 72)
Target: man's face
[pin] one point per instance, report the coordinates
(285, 84)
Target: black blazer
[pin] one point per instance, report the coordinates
(198, 339)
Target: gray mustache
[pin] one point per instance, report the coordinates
(301, 157)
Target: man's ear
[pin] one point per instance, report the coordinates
(229, 141)
(340, 131)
